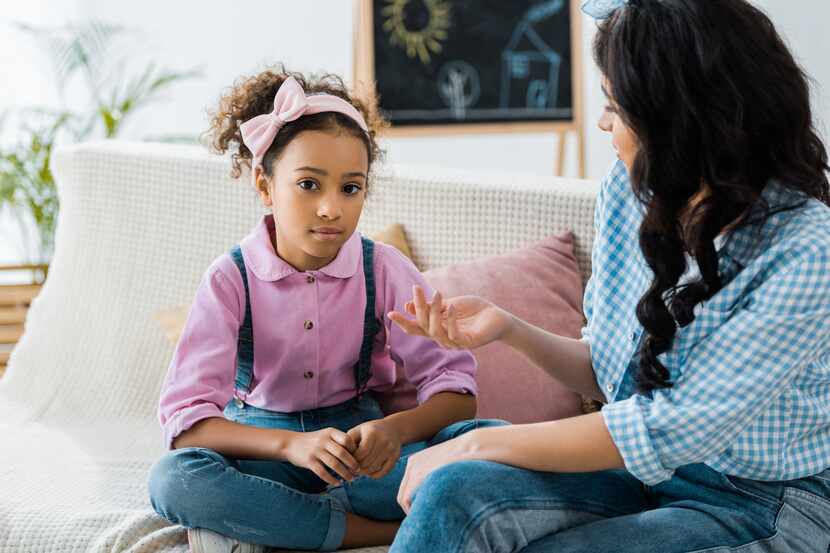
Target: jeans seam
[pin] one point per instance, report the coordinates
(540, 505)
(765, 500)
(737, 549)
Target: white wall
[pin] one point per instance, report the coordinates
(316, 35)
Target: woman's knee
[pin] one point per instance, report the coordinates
(457, 484)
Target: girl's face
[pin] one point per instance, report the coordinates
(622, 137)
(316, 193)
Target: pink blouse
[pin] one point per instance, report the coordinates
(308, 328)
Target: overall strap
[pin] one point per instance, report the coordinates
(245, 342)
(371, 326)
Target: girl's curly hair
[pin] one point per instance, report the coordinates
(254, 95)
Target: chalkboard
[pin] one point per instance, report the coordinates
(445, 62)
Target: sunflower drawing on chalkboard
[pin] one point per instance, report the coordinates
(417, 26)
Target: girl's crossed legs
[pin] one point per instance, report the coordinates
(274, 502)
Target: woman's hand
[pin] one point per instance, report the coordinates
(421, 464)
(324, 449)
(463, 322)
(378, 447)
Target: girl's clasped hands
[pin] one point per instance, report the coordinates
(369, 449)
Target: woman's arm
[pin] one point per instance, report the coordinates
(566, 359)
(578, 444)
(468, 322)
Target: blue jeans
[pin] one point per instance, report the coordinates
(274, 502)
(482, 507)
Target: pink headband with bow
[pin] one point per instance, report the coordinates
(290, 104)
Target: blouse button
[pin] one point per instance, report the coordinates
(238, 402)
(308, 325)
(308, 375)
(310, 279)
(609, 387)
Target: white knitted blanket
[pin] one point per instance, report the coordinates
(138, 225)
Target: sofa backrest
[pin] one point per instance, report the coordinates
(140, 222)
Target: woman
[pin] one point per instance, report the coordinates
(707, 335)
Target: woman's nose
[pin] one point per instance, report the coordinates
(605, 122)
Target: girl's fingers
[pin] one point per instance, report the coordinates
(408, 326)
(343, 456)
(334, 464)
(421, 308)
(409, 307)
(386, 468)
(344, 440)
(320, 470)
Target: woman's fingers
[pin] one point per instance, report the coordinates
(403, 492)
(421, 308)
(453, 333)
(410, 327)
(436, 325)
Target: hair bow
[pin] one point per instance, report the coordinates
(290, 103)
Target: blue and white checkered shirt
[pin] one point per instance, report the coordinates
(752, 372)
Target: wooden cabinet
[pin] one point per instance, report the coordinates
(14, 303)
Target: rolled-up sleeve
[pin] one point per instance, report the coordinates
(429, 367)
(730, 376)
(199, 381)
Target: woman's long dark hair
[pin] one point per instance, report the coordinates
(713, 96)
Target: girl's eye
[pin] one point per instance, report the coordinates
(609, 109)
(308, 185)
(352, 189)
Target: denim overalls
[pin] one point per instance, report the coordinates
(274, 502)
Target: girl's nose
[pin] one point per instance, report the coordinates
(329, 210)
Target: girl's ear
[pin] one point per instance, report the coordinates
(263, 187)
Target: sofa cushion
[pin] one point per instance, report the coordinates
(541, 284)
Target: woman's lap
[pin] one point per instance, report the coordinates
(479, 506)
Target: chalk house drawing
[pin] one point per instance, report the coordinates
(530, 67)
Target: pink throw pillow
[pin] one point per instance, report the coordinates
(540, 283)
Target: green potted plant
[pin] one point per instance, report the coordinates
(94, 55)
(88, 55)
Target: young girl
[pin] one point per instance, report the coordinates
(707, 335)
(265, 402)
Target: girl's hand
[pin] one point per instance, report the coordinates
(378, 447)
(324, 449)
(421, 464)
(463, 322)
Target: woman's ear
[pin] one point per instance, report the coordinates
(263, 186)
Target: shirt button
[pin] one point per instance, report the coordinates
(308, 375)
(238, 402)
(308, 325)
(609, 387)
(310, 279)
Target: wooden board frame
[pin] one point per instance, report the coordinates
(363, 79)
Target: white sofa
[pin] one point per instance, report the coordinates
(139, 223)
